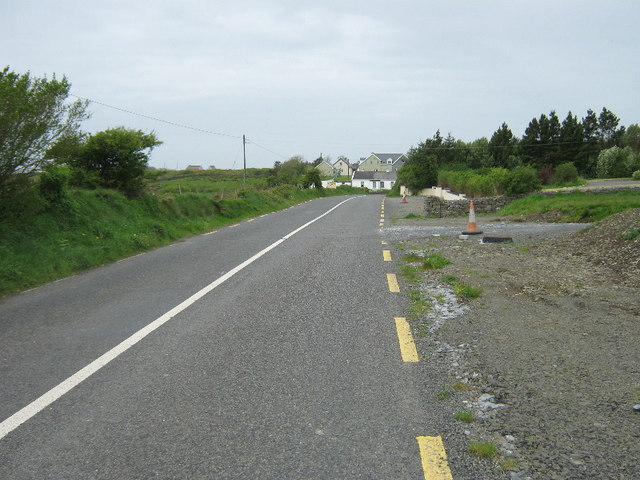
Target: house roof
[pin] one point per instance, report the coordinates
(342, 160)
(360, 175)
(386, 156)
(327, 165)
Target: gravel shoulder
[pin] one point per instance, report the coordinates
(548, 357)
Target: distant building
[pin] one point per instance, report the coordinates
(374, 181)
(342, 167)
(326, 169)
(194, 167)
(383, 162)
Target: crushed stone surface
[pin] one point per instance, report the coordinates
(548, 357)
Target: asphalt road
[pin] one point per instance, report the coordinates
(290, 368)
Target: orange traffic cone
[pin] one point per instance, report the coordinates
(472, 227)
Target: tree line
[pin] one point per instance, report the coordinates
(596, 146)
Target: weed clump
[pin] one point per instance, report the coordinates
(484, 449)
(465, 416)
(435, 261)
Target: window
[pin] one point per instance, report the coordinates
(362, 184)
(381, 184)
(374, 184)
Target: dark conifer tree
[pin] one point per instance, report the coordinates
(502, 146)
(571, 141)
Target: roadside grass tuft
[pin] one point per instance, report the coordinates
(418, 304)
(443, 394)
(461, 387)
(460, 289)
(435, 261)
(423, 330)
(449, 279)
(412, 215)
(465, 416)
(506, 464)
(410, 273)
(466, 291)
(412, 258)
(484, 449)
(631, 234)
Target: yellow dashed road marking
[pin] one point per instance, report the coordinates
(393, 283)
(407, 345)
(383, 243)
(434, 458)
(386, 255)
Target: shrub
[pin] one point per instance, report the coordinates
(53, 184)
(480, 186)
(616, 162)
(475, 183)
(19, 198)
(546, 174)
(636, 175)
(312, 179)
(522, 180)
(565, 173)
(119, 158)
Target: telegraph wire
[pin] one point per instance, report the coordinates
(168, 122)
(265, 148)
(220, 134)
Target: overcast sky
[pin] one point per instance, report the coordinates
(332, 77)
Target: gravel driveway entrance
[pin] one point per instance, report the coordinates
(553, 340)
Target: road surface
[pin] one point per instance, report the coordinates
(264, 350)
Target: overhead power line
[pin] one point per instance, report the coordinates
(265, 148)
(168, 122)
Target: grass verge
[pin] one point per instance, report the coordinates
(101, 226)
(576, 206)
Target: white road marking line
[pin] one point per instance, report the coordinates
(18, 418)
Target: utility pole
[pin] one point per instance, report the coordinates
(244, 155)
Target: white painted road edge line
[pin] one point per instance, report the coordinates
(18, 418)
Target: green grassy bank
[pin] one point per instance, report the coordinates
(100, 226)
(577, 206)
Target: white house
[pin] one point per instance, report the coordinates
(374, 181)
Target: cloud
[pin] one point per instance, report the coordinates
(306, 77)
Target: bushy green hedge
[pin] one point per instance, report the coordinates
(476, 183)
(490, 182)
